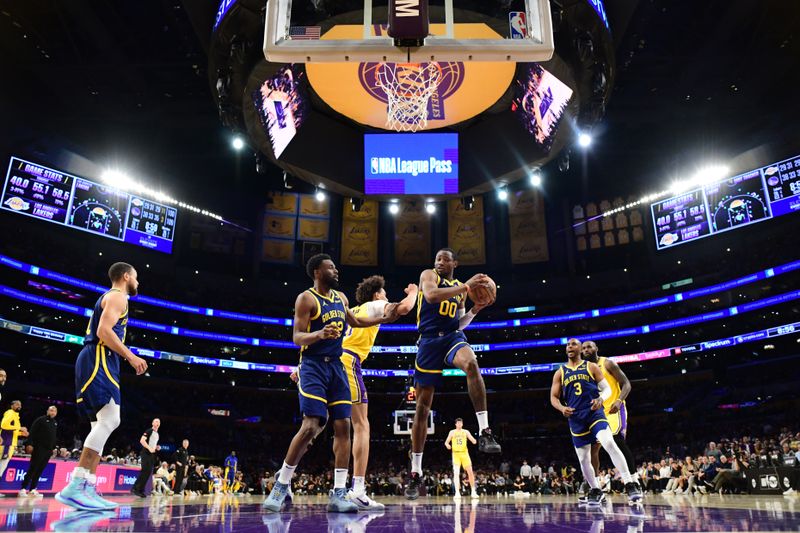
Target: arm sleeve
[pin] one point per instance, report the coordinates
(375, 308)
(605, 389)
(464, 321)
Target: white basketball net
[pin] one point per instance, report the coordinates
(408, 88)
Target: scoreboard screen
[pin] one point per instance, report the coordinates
(55, 196)
(760, 194)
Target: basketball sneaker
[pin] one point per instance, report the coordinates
(457, 496)
(289, 494)
(487, 442)
(275, 499)
(474, 496)
(634, 492)
(35, 494)
(364, 502)
(75, 496)
(412, 490)
(104, 504)
(596, 497)
(23, 493)
(339, 502)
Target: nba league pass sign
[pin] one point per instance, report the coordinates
(411, 163)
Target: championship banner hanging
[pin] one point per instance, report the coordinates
(360, 234)
(412, 235)
(527, 227)
(465, 232)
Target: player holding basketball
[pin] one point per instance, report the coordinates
(615, 407)
(581, 386)
(97, 373)
(320, 316)
(459, 437)
(441, 320)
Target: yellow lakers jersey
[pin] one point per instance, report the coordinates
(459, 441)
(612, 382)
(358, 341)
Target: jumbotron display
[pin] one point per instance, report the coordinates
(48, 194)
(760, 194)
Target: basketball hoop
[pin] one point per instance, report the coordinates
(408, 88)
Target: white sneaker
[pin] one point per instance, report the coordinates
(23, 493)
(35, 493)
(364, 502)
(457, 496)
(789, 491)
(474, 496)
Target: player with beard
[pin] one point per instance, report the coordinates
(320, 316)
(97, 380)
(441, 320)
(615, 407)
(578, 391)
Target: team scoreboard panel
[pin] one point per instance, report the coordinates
(760, 194)
(48, 194)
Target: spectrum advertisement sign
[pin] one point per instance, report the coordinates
(411, 163)
(111, 479)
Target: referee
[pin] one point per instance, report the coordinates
(43, 439)
(149, 442)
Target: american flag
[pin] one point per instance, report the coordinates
(304, 33)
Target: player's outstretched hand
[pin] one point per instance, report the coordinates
(567, 412)
(138, 364)
(411, 289)
(295, 376)
(597, 403)
(330, 331)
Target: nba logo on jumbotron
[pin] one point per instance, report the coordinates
(373, 165)
(517, 25)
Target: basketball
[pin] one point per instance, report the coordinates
(484, 294)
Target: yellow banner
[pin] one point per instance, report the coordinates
(360, 234)
(311, 207)
(282, 202)
(313, 229)
(280, 226)
(412, 235)
(527, 227)
(465, 232)
(277, 251)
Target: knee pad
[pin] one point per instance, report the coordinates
(109, 417)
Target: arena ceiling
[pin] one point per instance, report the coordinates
(128, 82)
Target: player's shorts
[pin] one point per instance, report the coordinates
(96, 379)
(433, 354)
(461, 459)
(352, 368)
(584, 426)
(230, 475)
(324, 388)
(618, 422)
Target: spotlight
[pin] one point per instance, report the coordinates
(430, 207)
(394, 208)
(502, 193)
(584, 140)
(536, 178)
(237, 143)
(261, 165)
(320, 195)
(287, 181)
(356, 204)
(468, 202)
(563, 161)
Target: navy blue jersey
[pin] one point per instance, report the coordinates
(578, 387)
(441, 317)
(330, 310)
(120, 328)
